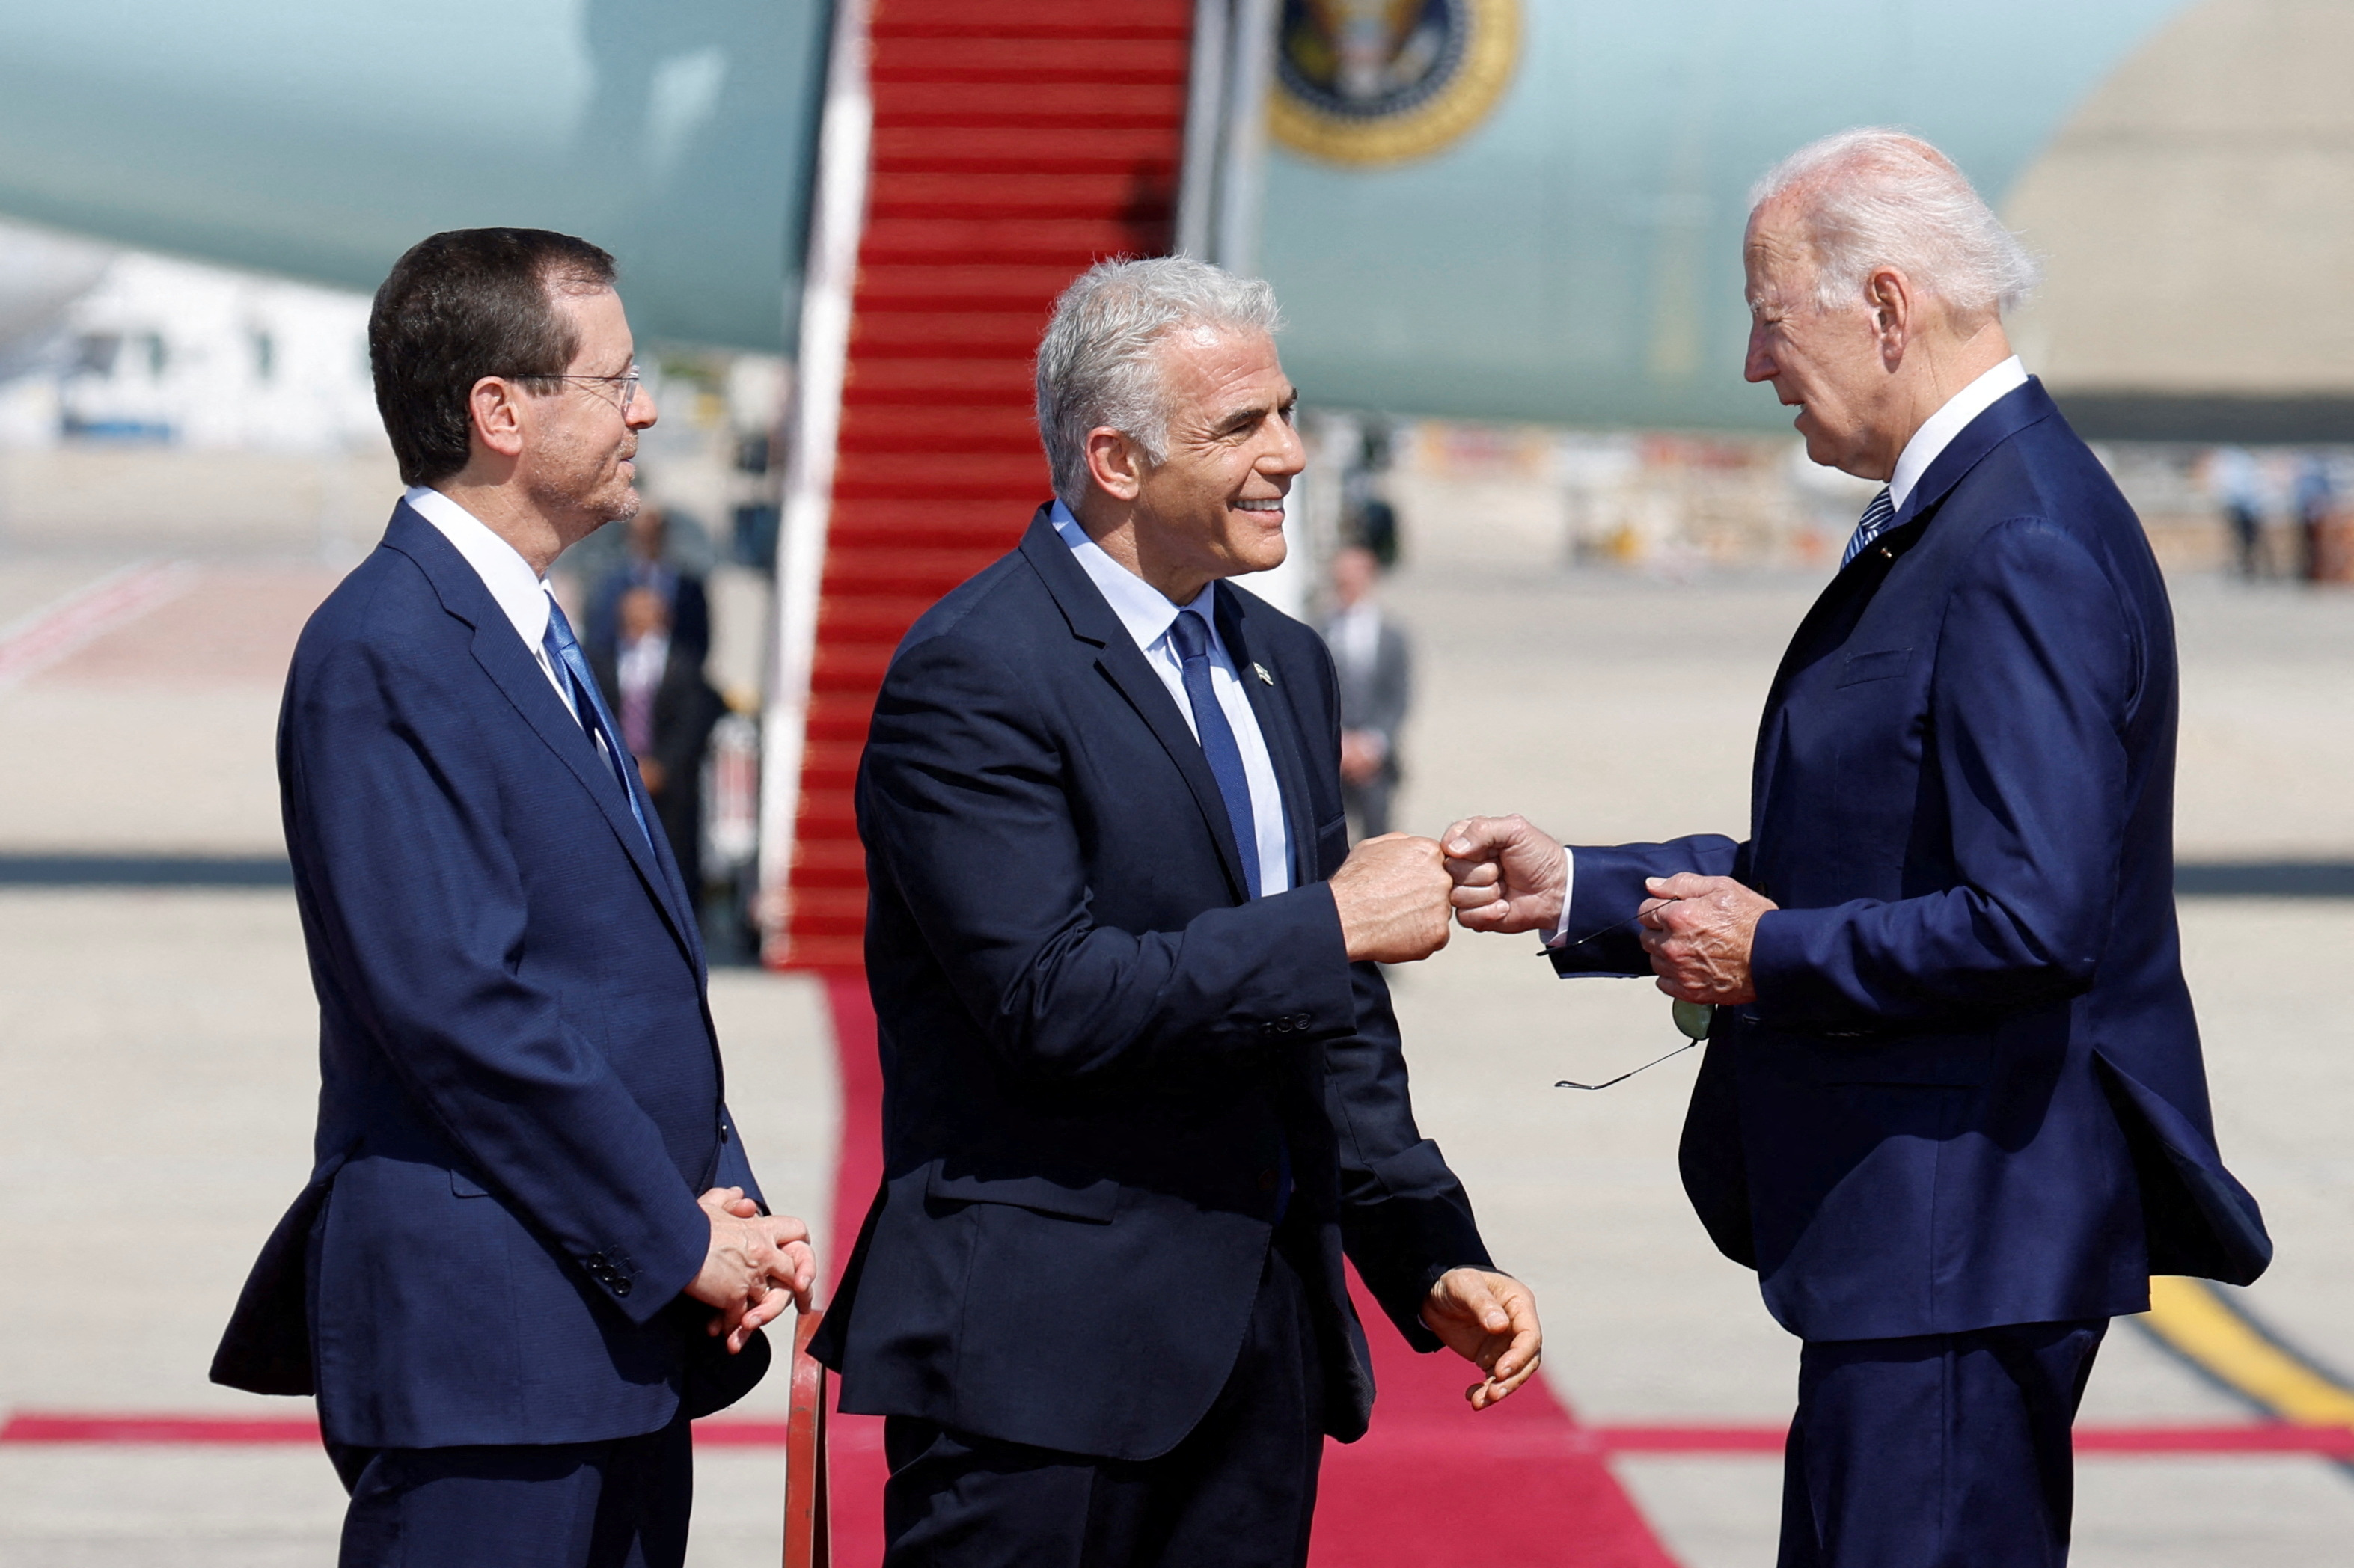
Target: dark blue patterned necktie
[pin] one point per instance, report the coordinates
(1191, 635)
(1874, 522)
(589, 705)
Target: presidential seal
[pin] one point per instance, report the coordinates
(1378, 82)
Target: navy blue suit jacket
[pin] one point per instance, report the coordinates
(520, 1089)
(1095, 1049)
(1970, 1092)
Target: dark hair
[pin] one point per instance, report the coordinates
(461, 305)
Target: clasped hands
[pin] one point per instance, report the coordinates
(756, 1265)
(1698, 931)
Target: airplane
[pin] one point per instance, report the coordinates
(1520, 209)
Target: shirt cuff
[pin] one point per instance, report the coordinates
(1568, 886)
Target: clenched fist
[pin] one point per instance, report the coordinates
(1392, 893)
(1508, 874)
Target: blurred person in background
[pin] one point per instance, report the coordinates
(2238, 486)
(646, 564)
(1375, 662)
(2317, 501)
(1366, 513)
(530, 1249)
(1953, 1110)
(656, 688)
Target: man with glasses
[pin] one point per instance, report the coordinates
(531, 1248)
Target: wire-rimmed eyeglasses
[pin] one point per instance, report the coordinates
(1692, 1017)
(627, 381)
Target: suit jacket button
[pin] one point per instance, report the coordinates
(618, 1286)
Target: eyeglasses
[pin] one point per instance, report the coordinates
(628, 383)
(1693, 1019)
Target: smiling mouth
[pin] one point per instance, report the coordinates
(1272, 506)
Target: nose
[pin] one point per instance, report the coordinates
(1758, 366)
(1289, 454)
(642, 411)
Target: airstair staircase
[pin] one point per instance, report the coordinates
(1014, 143)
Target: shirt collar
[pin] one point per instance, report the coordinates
(1144, 610)
(519, 592)
(1937, 431)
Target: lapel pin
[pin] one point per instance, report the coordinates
(1260, 671)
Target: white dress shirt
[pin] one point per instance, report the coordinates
(1148, 615)
(1355, 635)
(518, 590)
(1936, 434)
(1938, 430)
(642, 663)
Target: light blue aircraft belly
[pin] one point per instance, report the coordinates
(321, 141)
(1576, 258)
(1572, 256)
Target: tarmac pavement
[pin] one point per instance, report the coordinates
(157, 1045)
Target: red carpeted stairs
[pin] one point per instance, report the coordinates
(1015, 143)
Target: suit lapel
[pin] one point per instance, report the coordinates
(1847, 595)
(1117, 656)
(1277, 727)
(1834, 610)
(502, 657)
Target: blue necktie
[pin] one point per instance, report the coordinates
(589, 705)
(1190, 634)
(1874, 523)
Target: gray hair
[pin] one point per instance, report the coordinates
(1874, 198)
(1098, 364)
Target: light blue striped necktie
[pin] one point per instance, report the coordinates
(588, 707)
(1874, 523)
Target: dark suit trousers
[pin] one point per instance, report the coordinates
(1940, 1451)
(1237, 1492)
(621, 1504)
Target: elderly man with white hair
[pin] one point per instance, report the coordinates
(1142, 1087)
(1952, 1110)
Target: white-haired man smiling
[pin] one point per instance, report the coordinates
(1953, 1110)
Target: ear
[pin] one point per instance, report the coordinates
(1116, 462)
(494, 409)
(1889, 294)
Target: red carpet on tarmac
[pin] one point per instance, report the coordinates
(1522, 1485)
(1515, 1487)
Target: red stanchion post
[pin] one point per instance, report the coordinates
(807, 1535)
